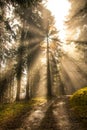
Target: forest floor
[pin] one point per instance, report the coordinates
(54, 114)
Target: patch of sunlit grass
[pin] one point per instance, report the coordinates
(11, 111)
(40, 99)
(79, 103)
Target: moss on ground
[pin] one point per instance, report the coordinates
(79, 103)
(13, 110)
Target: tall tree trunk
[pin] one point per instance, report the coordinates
(49, 87)
(19, 71)
(20, 65)
(27, 86)
(18, 89)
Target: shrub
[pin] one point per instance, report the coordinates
(79, 103)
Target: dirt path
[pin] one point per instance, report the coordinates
(53, 115)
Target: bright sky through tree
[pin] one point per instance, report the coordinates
(60, 10)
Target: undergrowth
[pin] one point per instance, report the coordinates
(13, 110)
(79, 103)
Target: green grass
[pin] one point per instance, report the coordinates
(13, 110)
(79, 103)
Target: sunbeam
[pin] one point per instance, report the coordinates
(69, 48)
(60, 10)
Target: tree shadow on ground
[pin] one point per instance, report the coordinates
(16, 119)
(49, 121)
(15, 122)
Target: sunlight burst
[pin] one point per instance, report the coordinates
(69, 48)
(43, 60)
(60, 10)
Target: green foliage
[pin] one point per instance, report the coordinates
(24, 3)
(11, 111)
(79, 103)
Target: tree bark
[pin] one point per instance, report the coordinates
(49, 87)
